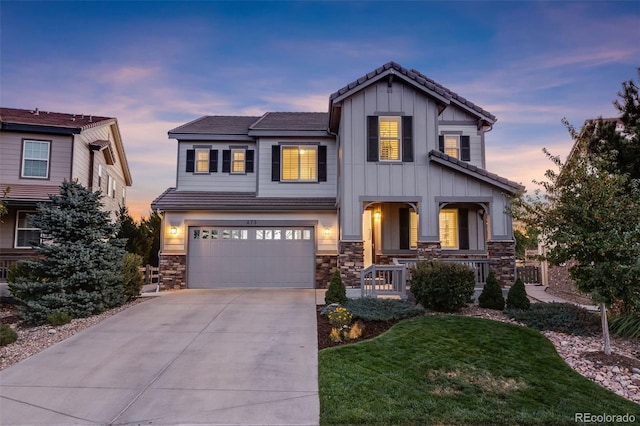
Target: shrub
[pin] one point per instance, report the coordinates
(441, 286)
(491, 296)
(356, 330)
(561, 317)
(58, 318)
(132, 279)
(626, 325)
(336, 293)
(7, 335)
(370, 309)
(340, 317)
(517, 296)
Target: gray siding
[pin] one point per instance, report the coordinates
(267, 188)
(11, 158)
(451, 113)
(223, 182)
(475, 140)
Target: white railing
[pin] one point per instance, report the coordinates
(480, 267)
(384, 280)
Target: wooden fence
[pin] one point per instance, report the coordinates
(529, 274)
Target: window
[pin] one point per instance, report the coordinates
(299, 163)
(389, 129)
(35, 159)
(202, 161)
(449, 228)
(413, 229)
(99, 176)
(237, 160)
(26, 233)
(451, 146)
(111, 187)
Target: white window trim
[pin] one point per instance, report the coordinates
(196, 161)
(243, 162)
(298, 148)
(24, 159)
(15, 241)
(399, 138)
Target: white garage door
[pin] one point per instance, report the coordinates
(233, 257)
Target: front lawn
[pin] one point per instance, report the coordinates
(457, 370)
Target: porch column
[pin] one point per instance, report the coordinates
(502, 260)
(173, 271)
(350, 262)
(429, 250)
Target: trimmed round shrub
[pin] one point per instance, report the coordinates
(336, 293)
(7, 335)
(58, 318)
(491, 296)
(132, 278)
(517, 296)
(442, 286)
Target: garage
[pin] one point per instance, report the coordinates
(237, 257)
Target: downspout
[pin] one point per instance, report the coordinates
(482, 144)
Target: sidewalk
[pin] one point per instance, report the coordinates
(538, 293)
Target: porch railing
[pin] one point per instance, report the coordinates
(480, 267)
(384, 280)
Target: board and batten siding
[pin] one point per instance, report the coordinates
(475, 140)
(11, 158)
(81, 165)
(177, 244)
(213, 181)
(268, 188)
(380, 179)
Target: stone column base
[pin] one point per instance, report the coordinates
(350, 261)
(325, 266)
(502, 261)
(173, 272)
(429, 250)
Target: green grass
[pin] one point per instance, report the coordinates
(457, 370)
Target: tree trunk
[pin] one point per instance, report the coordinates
(605, 329)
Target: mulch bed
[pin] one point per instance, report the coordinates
(614, 359)
(371, 330)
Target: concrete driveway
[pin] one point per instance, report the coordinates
(194, 357)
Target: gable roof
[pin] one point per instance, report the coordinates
(443, 96)
(475, 172)
(55, 122)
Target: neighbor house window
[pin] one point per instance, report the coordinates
(449, 228)
(202, 161)
(238, 160)
(35, 159)
(99, 176)
(452, 146)
(389, 137)
(111, 187)
(299, 163)
(26, 233)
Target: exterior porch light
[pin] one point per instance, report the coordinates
(377, 215)
(327, 231)
(174, 230)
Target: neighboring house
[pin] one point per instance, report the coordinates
(38, 151)
(394, 169)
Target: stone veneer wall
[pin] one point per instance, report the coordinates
(561, 285)
(173, 272)
(429, 250)
(325, 266)
(502, 260)
(350, 261)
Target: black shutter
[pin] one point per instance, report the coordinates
(404, 228)
(248, 163)
(407, 139)
(226, 161)
(322, 163)
(275, 163)
(441, 143)
(191, 160)
(463, 228)
(465, 148)
(213, 160)
(372, 138)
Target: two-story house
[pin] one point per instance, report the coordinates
(38, 151)
(394, 169)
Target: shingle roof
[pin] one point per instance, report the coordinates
(171, 199)
(218, 125)
(51, 119)
(470, 169)
(292, 121)
(420, 79)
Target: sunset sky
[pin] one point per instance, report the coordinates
(157, 65)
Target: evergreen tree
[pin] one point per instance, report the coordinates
(151, 229)
(517, 296)
(137, 236)
(79, 260)
(336, 293)
(491, 296)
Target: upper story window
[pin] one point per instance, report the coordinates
(35, 159)
(202, 161)
(455, 145)
(238, 159)
(298, 163)
(26, 233)
(389, 138)
(111, 187)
